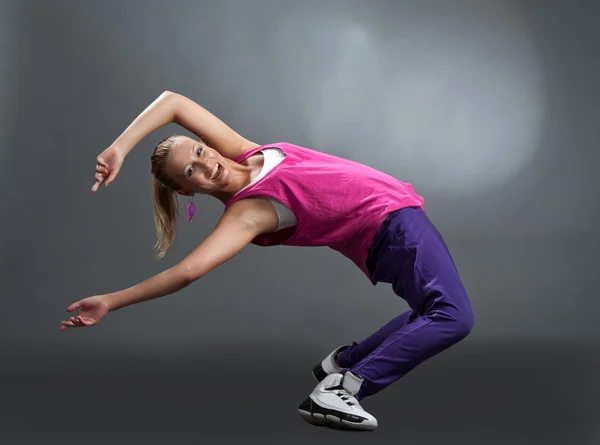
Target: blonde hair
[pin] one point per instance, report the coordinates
(164, 200)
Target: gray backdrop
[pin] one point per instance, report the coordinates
(489, 108)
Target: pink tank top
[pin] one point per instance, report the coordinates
(338, 203)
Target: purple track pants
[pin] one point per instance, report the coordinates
(409, 252)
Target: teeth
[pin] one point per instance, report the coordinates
(215, 170)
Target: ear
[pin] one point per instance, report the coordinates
(184, 192)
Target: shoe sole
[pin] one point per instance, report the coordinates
(316, 415)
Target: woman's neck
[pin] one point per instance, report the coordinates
(243, 173)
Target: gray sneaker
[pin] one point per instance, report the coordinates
(332, 403)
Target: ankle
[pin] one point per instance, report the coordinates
(344, 357)
(337, 361)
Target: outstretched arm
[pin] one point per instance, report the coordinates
(243, 221)
(172, 107)
(235, 230)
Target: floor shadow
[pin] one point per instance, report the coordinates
(472, 394)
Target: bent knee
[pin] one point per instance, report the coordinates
(459, 324)
(463, 325)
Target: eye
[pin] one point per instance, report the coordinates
(189, 171)
(198, 151)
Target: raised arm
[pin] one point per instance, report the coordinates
(172, 107)
(169, 107)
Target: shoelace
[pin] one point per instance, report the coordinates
(343, 394)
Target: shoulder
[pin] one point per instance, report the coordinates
(247, 146)
(256, 213)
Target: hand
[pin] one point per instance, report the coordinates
(108, 165)
(93, 309)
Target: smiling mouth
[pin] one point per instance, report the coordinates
(217, 172)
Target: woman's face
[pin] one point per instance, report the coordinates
(197, 167)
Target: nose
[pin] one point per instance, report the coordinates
(205, 165)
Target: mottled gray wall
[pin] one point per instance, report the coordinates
(489, 108)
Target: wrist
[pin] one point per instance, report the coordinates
(112, 301)
(121, 146)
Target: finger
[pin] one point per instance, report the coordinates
(74, 321)
(96, 186)
(66, 325)
(99, 177)
(111, 176)
(101, 169)
(86, 321)
(74, 306)
(101, 162)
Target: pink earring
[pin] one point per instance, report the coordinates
(190, 209)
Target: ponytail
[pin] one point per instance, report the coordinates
(165, 203)
(166, 208)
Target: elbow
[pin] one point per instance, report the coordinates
(168, 96)
(170, 102)
(171, 94)
(187, 274)
(173, 102)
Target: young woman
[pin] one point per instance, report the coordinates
(285, 194)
